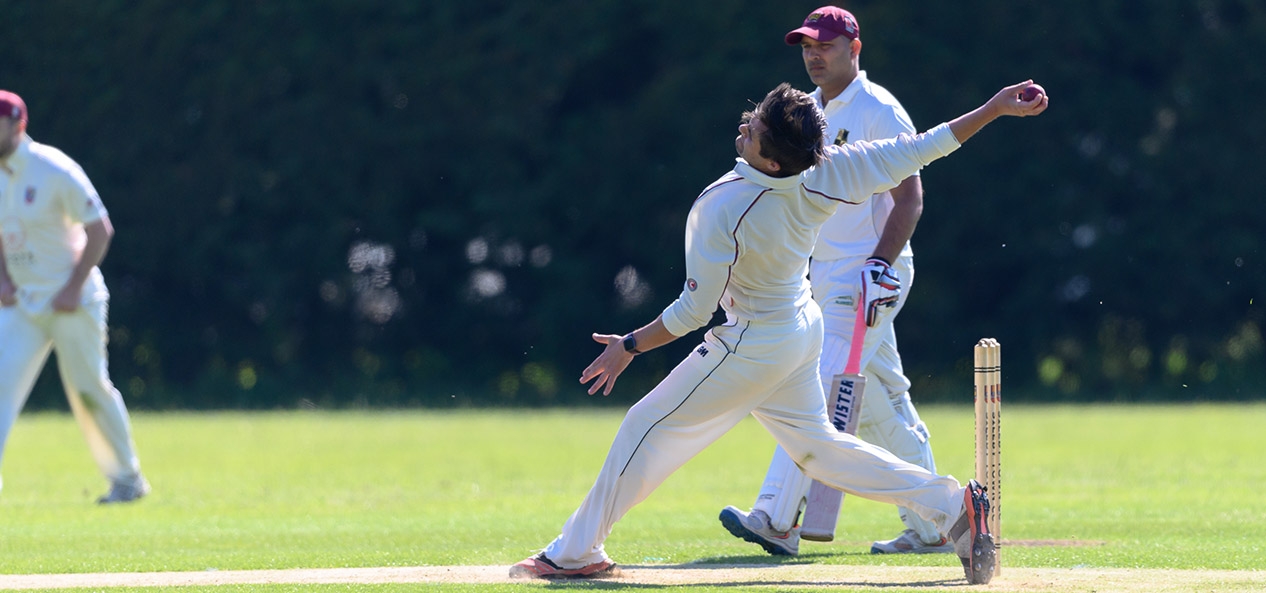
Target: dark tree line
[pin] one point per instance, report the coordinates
(398, 203)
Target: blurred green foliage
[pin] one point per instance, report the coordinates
(339, 203)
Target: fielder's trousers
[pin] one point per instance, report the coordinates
(79, 338)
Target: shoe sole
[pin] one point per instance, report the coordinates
(736, 528)
(610, 572)
(520, 571)
(983, 560)
(980, 567)
(107, 500)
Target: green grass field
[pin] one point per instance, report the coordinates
(1084, 487)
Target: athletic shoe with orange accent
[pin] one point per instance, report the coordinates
(756, 528)
(540, 567)
(972, 541)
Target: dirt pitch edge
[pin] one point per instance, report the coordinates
(794, 575)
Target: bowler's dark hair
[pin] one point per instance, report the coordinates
(793, 129)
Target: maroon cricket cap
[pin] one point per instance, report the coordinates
(825, 24)
(11, 106)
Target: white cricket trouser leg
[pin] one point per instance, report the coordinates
(892, 423)
(887, 417)
(769, 371)
(23, 352)
(79, 340)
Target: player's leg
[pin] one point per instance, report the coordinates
(22, 355)
(852, 465)
(892, 422)
(79, 339)
(856, 467)
(699, 401)
(889, 420)
(772, 520)
(785, 487)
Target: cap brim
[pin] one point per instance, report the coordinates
(793, 37)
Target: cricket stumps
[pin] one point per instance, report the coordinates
(988, 379)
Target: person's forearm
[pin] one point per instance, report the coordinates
(966, 125)
(98, 234)
(907, 208)
(4, 265)
(652, 335)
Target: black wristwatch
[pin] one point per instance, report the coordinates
(630, 344)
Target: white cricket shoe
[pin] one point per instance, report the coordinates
(754, 527)
(125, 491)
(910, 543)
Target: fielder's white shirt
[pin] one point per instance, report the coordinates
(749, 236)
(863, 111)
(45, 199)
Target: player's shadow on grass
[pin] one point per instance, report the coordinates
(624, 584)
(762, 559)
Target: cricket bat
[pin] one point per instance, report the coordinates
(822, 505)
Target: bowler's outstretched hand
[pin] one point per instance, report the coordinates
(613, 360)
(1008, 101)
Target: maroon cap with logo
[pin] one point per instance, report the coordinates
(825, 24)
(11, 106)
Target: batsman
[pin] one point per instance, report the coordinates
(861, 263)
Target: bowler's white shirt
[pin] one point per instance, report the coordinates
(749, 236)
(45, 200)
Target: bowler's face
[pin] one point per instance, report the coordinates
(748, 146)
(748, 142)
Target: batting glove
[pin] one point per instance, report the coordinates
(880, 289)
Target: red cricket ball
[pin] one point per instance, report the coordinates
(1031, 92)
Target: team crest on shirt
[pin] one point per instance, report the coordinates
(691, 285)
(30, 195)
(841, 137)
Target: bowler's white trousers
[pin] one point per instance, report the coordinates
(769, 370)
(888, 417)
(79, 337)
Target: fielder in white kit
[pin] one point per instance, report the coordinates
(53, 297)
(873, 236)
(748, 240)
